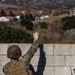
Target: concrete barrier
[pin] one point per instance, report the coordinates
(50, 59)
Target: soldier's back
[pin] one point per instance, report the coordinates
(16, 68)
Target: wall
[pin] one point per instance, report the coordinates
(50, 59)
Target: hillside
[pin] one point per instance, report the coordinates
(4, 5)
(53, 4)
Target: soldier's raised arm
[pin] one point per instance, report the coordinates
(32, 50)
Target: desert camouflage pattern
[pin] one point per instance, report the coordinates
(24, 62)
(14, 51)
(16, 68)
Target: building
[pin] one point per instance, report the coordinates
(72, 12)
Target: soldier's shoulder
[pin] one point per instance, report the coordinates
(5, 68)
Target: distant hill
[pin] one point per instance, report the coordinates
(4, 5)
(43, 3)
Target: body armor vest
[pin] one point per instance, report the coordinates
(17, 68)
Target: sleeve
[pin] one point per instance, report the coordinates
(28, 56)
(5, 70)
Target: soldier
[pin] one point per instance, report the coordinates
(18, 66)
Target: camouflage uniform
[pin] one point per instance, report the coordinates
(25, 58)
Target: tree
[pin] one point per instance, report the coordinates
(11, 13)
(3, 13)
(22, 17)
(27, 17)
(27, 23)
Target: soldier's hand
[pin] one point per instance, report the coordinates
(36, 36)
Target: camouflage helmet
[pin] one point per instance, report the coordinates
(14, 52)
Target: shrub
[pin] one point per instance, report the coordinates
(11, 35)
(68, 23)
(27, 23)
(43, 25)
(3, 13)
